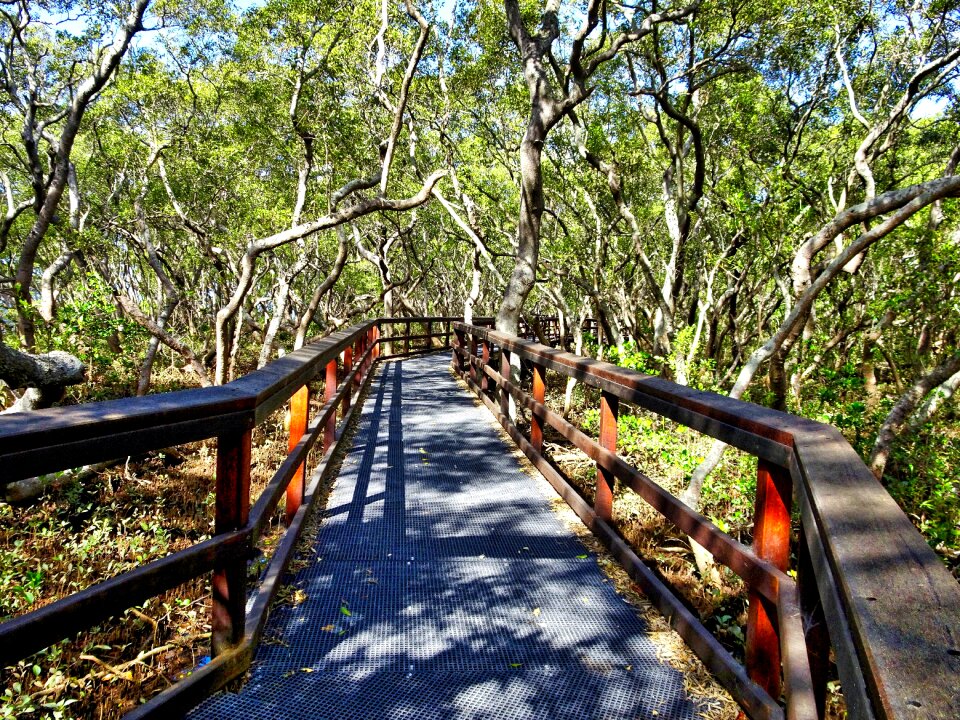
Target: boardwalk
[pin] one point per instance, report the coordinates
(443, 586)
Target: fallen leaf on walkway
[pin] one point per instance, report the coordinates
(536, 612)
(345, 611)
(329, 628)
(582, 557)
(516, 665)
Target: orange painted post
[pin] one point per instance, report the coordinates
(232, 512)
(539, 392)
(299, 417)
(329, 390)
(609, 411)
(347, 356)
(375, 339)
(771, 541)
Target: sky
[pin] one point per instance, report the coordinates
(925, 108)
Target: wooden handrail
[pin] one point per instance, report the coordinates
(60, 438)
(891, 607)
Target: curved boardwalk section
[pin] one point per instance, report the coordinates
(443, 586)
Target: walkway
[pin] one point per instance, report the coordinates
(445, 587)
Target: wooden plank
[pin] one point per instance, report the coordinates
(798, 682)
(814, 624)
(347, 362)
(61, 438)
(56, 455)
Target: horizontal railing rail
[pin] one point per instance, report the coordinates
(864, 573)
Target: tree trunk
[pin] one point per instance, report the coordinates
(45, 376)
(524, 273)
(897, 419)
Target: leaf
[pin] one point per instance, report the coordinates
(582, 557)
(516, 665)
(306, 670)
(329, 628)
(536, 612)
(344, 610)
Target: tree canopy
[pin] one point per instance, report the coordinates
(752, 198)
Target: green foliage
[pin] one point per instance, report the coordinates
(923, 480)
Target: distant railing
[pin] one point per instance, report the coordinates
(862, 571)
(56, 439)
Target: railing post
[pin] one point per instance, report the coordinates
(299, 417)
(447, 337)
(232, 512)
(429, 335)
(347, 378)
(375, 339)
(406, 340)
(359, 348)
(459, 341)
(484, 380)
(329, 390)
(771, 541)
(539, 393)
(505, 372)
(609, 411)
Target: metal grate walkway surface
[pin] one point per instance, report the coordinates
(443, 586)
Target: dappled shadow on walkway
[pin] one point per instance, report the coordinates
(443, 586)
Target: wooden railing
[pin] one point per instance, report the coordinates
(549, 328)
(892, 609)
(866, 585)
(55, 439)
